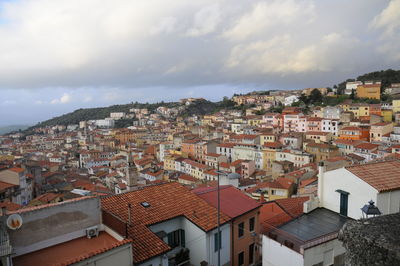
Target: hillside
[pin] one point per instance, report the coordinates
(197, 108)
(387, 77)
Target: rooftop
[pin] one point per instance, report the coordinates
(163, 200)
(70, 252)
(315, 224)
(233, 202)
(383, 176)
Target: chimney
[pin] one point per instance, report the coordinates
(262, 199)
(129, 213)
(321, 172)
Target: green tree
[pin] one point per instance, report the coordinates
(315, 96)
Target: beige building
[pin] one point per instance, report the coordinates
(380, 129)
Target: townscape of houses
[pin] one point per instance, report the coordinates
(92, 194)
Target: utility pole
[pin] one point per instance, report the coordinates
(218, 215)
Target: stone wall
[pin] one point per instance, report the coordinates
(374, 241)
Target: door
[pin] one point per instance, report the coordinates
(344, 200)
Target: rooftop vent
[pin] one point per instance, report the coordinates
(145, 204)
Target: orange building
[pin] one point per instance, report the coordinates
(375, 109)
(188, 148)
(371, 91)
(354, 133)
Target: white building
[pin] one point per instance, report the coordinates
(347, 190)
(104, 123)
(352, 85)
(117, 115)
(168, 219)
(290, 100)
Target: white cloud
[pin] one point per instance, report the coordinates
(388, 19)
(180, 43)
(65, 98)
(206, 21)
(269, 14)
(389, 22)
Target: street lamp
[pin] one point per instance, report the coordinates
(219, 242)
(370, 210)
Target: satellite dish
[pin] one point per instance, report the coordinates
(14, 221)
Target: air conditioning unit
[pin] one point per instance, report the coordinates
(92, 231)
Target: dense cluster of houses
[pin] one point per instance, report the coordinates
(288, 183)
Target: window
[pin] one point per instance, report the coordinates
(251, 253)
(216, 244)
(251, 224)
(176, 238)
(240, 229)
(241, 258)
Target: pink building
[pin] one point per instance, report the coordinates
(248, 168)
(272, 120)
(314, 124)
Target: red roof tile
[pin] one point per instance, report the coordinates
(233, 202)
(383, 176)
(71, 252)
(5, 185)
(163, 200)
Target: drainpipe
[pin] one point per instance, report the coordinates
(321, 172)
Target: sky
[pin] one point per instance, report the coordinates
(60, 55)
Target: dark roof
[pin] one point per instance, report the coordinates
(315, 224)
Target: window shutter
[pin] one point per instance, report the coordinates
(183, 241)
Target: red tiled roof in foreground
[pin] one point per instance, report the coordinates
(275, 213)
(71, 252)
(383, 176)
(233, 202)
(166, 201)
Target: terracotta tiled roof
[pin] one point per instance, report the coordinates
(381, 124)
(17, 169)
(47, 197)
(293, 206)
(28, 209)
(233, 202)
(307, 182)
(71, 252)
(4, 185)
(10, 206)
(164, 200)
(272, 144)
(367, 146)
(383, 176)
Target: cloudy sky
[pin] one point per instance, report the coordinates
(60, 55)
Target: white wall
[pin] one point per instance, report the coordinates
(389, 202)
(360, 192)
(196, 242)
(275, 254)
(225, 246)
(315, 254)
(199, 243)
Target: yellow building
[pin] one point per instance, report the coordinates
(359, 110)
(269, 150)
(267, 137)
(371, 91)
(396, 106)
(387, 115)
(169, 163)
(254, 120)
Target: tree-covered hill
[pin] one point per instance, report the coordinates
(387, 77)
(201, 107)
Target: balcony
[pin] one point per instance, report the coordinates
(179, 257)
